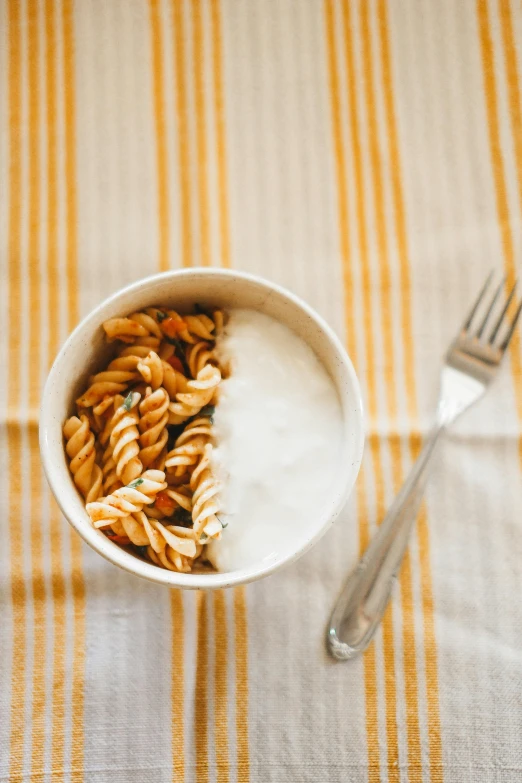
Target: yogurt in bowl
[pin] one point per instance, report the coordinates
(278, 431)
(315, 460)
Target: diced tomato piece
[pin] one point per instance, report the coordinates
(120, 540)
(165, 503)
(176, 363)
(172, 327)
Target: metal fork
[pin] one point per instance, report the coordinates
(471, 364)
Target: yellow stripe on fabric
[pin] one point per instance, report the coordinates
(241, 645)
(370, 670)
(158, 92)
(221, 687)
(52, 272)
(18, 600)
(219, 108)
(71, 207)
(71, 245)
(499, 176)
(240, 607)
(183, 135)
(59, 644)
(178, 685)
(201, 695)
(14, 435)
(53, 287)
(409, 651)
(201, 131)
(513, 86)
(515, 111)
(163, 196)
(430, 644)
(32, 357)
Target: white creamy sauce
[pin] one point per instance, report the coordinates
(278, 430)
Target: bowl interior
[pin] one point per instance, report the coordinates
(86, 351)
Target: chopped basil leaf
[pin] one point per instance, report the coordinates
(135, 483)
(160, 315)
(223, 524)
(208, 410)
(127, 402)
(176, 342)
(203, 537)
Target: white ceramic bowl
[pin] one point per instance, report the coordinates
(86, 350)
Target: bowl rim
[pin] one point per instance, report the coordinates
(127, 561)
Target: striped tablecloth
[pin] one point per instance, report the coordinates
(368, 155)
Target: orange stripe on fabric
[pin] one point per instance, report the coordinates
(59, 670)
(221, 686)
(240, 609)
(32, 357)
(219, 108)
(53, 278)
(370, 671)
(515, 111)
(176, 598)
(71, 207)
(53, 284)
(220, 615)
(430, 644)
(513, 86)
(241, 645)
(201, 132)
(18, 585)
(201, 695)
(178, 685)
(71, 244)
(499, 176)
(409, 651)
(161, 136)
(183, 135)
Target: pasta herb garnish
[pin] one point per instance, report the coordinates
(136, 483)
(127, 402)
(223, 523)
(203, 537)
(176, 342)
(209, 411)
(160, 315)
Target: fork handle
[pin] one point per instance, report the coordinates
(363, 601)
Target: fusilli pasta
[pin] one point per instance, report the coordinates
(140, 447)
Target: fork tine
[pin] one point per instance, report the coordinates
(503, 313)
(509, 335)
(475, 307)
(490, 308)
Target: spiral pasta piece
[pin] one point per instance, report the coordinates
(198, 393)
(198, 356)
(189, 446)
(151, 369)
(124, 438)
(135, 326)
(126, 500)
(154, 415)
(103, 383)
(205, 503)
(80, 448)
